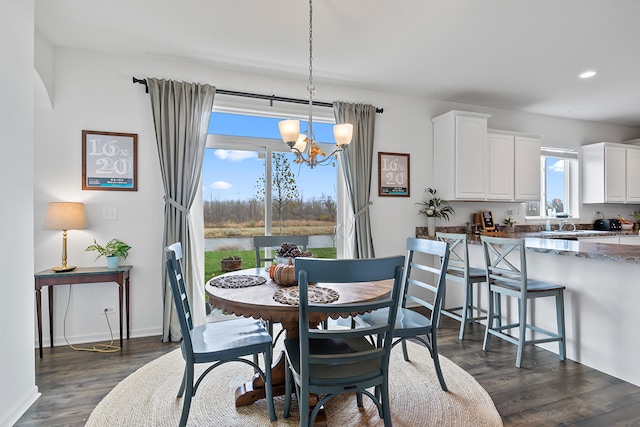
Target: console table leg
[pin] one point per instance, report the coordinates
(120, 285)
(39, 311)
(50, 295)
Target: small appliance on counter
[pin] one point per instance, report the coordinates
(602, 224)
(615, 224)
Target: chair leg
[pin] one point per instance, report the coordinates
(468, 298)
(436, 361)
(405, 352)
(288, 389)
(489, 320)
(386, 408)
(562, 344)
(303, 405)
(188, 395)
(183, 383)
(522, 329)
(268, 384)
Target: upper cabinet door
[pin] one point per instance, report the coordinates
(501, 167)
(633, 175)
(459, 155)
(527, 167)
(471, 134)
(615, 178)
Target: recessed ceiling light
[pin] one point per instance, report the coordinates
(587, 74)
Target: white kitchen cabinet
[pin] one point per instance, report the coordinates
(460, 155)
(514, 166)
(610, 173)
(630, 240)
(603, 239)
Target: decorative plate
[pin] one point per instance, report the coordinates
(237, 281)
(317, 295)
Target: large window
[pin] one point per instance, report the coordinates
(251, 185)
(558, 185)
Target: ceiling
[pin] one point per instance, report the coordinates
(518, 55)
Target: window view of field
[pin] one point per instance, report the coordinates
(303, 202)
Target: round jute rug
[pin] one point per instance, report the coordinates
(148, 398)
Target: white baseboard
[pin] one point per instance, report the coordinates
(20, 406)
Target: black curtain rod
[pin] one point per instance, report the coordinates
(270, 98)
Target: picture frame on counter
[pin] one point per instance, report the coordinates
(486, 217)
(393, 175)
(109, 161)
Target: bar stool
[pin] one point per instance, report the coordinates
(506, 279)
(460, 271)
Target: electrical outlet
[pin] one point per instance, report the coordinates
(109, 310)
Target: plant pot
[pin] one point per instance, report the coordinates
(113, 261)
(431, 226)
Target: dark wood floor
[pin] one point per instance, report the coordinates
(544, 392)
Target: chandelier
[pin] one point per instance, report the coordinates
(302, 144)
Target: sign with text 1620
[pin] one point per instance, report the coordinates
(393, 174)
(109, 161)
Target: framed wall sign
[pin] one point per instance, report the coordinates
(109, 161)
(393, 174)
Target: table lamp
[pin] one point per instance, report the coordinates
(64, 216)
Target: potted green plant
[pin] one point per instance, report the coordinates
(113, 250)
(435, 207)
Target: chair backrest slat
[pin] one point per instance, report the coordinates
(431, 279)
(173, 256)
(262, 242)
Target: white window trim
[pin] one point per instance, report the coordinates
(571, 182)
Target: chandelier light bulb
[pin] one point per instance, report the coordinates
(289, 130)
(301, 143)
(343, 133)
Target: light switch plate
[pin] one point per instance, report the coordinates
(110, 214)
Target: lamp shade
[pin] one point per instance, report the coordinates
(289, 130)
(64, 216)
(343, 133)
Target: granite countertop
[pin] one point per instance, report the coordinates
(552, 243)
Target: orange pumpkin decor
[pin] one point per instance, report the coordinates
(284, 274)
(272, 269)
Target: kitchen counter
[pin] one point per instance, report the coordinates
(564, 243)
(601, 295)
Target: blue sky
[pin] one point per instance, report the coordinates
(555, 179)
(233, 175)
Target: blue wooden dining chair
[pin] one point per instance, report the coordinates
(423, 287)
(215, 343)
(329, 362)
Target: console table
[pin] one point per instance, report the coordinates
(50, 278)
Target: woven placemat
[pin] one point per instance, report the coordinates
(317, 295)
(237, 281)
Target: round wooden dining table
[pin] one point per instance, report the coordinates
(258, 302)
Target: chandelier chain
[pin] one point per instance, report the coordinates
(311, 88)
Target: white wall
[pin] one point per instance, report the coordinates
(17, 376)
(94, 91)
